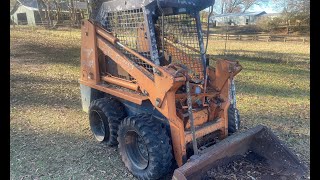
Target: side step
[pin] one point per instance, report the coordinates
(259, 140)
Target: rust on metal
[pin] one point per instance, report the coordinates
(89, 53)
(204, 130)
(200, 117)
(120, 82)
(142, 41)
(106, 35)
(130, 96)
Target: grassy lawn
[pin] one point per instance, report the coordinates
(50, 135)
(273, 88)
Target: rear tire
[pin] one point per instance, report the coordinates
(105, 115)
(233, 120)
(144, 147)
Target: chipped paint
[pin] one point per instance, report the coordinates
(87, 52)
(87, 63)
(124, 62)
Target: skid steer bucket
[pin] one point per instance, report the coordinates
(259, 141)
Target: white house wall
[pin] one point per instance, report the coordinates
(29, 14)
(237, 20)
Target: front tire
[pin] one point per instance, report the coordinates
(144, 147)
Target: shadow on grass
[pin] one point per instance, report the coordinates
(268, 57)
(285, 69)
(259, 89)
(47, 155)
(274, 57)
(28, 90)
(236, 30)
(291, 128)
(302, 72)
(50, 154)
(292, 124)
(52, 55)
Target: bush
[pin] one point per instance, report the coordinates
(268, 23)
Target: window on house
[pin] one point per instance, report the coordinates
(22, 19)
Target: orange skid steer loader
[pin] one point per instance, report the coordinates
(147, 86)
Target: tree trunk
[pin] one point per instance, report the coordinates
(49, 14)
(46, 16)
(58, 15)
(41, 3)
(72, 13)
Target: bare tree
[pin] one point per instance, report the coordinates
(12, 3)
(294, 10)
(76, 14)
(248, 4)
(52, 12)
(46, 5)
(75, 19)
(234, 6)
(58, 11)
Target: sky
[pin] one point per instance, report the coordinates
(267, 7)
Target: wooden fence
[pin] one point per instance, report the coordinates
(254, 37)
(65, 23)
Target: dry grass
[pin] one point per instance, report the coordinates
(293, 53)
(273, 88)
(50, 135)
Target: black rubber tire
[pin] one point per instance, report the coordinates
(105, 115)
(233, 123)
(156, 142)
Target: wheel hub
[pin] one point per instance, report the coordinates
(136, 150)
(98, 127)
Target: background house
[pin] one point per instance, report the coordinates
(236, 19)
(272, 15)
(30, 12)
(25, 12)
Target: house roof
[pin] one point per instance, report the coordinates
(272, 14)
(240, 14)
(14, 8)
(30, 4)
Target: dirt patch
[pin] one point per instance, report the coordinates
(250, 166)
